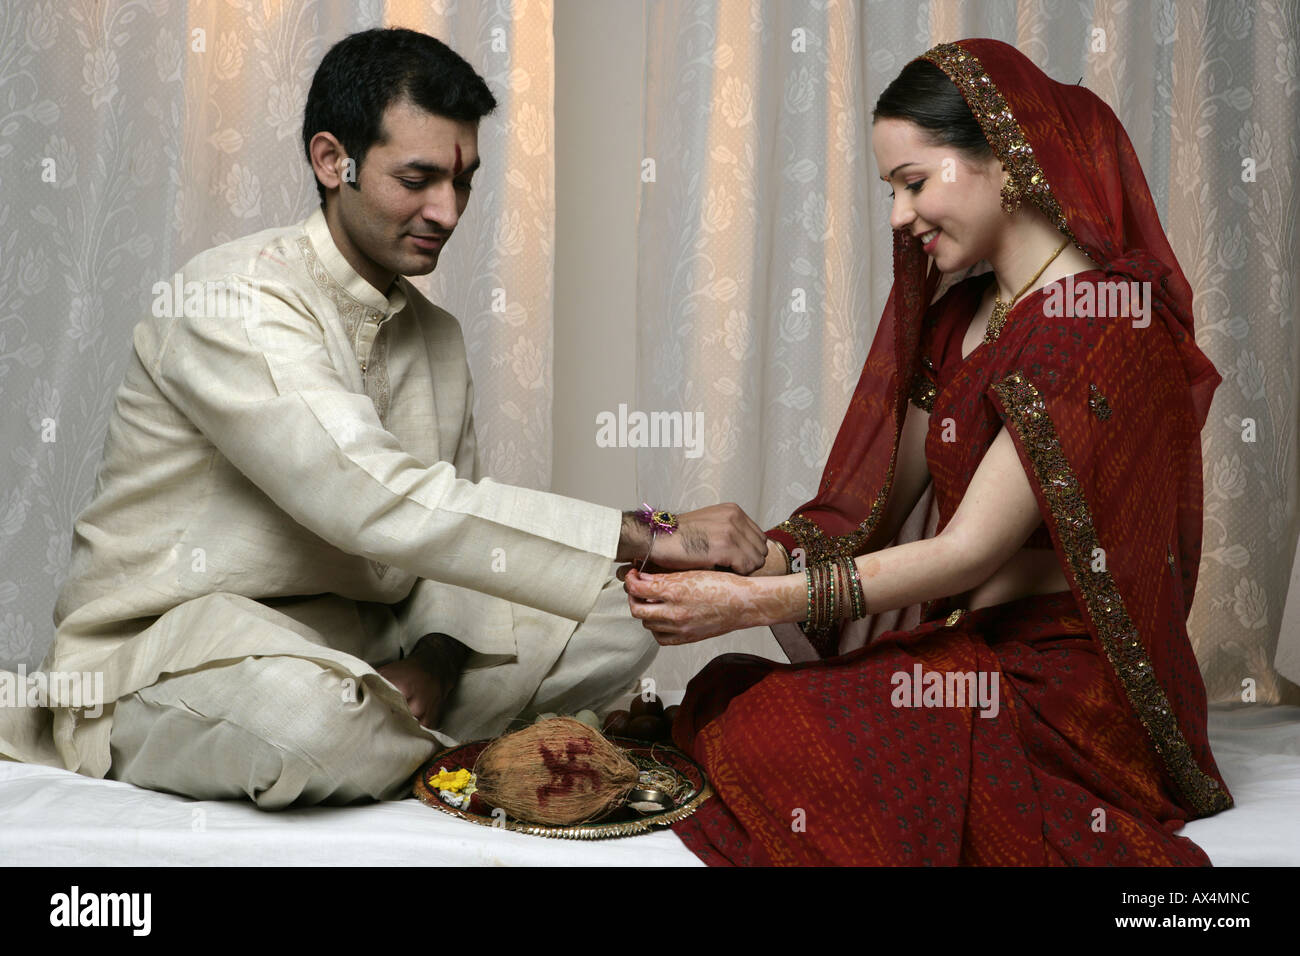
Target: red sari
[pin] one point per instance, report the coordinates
(1097, 752)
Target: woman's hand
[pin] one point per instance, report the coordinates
(691, 606)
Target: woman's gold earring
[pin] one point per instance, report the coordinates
(1010, 196)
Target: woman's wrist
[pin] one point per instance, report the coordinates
(782, 600)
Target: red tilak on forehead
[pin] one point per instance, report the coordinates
(456, 170)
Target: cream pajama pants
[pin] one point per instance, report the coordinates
(285, 730)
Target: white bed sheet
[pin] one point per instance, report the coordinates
(57, 818)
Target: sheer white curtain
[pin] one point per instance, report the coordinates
(764, 253)
(135, 134)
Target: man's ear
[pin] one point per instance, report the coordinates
(330, 161)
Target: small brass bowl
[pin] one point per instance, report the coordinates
(649, 801)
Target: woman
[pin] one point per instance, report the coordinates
(1045, 707)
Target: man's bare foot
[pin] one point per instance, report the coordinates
(426, 678)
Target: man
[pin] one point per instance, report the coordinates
(292, 571)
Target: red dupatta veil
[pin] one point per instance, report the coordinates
(1074, 162)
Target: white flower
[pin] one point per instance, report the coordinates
(85, 320)
(42, 26)
(815, 217)
(814, 443)
(65, 161)
(1229, 477)
(167, 55)
(15, 639)
(846, 135)
(736, 334)
(724, 440)
(717, 210)
(100, 73)
(510, 233)
(1250, 604)
(526, 363)
(243, 192)
(1279, 296)
(1250, 375)
(13, 515)
(737, 103)
(58, 554)
(33, 272)
(1286, 66)
(799, 91)
(229, 55)
(43, 401)
(1256, 144)
(284, 105)
(795, 326)
(531, 129)
(1166, 25)
(1237, 17)
(1233, 248)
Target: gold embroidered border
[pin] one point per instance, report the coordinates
(374, 377)
(1000, 127)
(353, 313)
(1027, 414)
(819, 547)
(924, 392)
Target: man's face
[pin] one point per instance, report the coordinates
(414, 187)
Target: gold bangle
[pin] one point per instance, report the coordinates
(789, 565)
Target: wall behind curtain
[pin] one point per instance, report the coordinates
(164, 141)
(765, 201)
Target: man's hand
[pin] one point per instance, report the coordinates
(427, 677)
(719, 536)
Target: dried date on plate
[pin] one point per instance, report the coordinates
(616, 723)
(647, 727)
(641, 707)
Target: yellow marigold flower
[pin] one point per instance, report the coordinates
(449, 780)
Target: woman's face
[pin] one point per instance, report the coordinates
(940, 195)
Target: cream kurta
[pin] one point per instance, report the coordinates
(317, 439)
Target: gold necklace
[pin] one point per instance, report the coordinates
(1002, 309)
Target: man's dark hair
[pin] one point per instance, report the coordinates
(364, 73)
(923, 94)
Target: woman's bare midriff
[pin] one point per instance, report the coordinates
(1029, 571)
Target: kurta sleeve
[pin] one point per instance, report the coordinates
(261, 386)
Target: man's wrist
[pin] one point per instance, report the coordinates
(634, 539)
(778, 560)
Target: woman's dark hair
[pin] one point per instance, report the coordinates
(923, 94)
(363, 74)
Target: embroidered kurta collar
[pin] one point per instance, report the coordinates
(341, 271)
